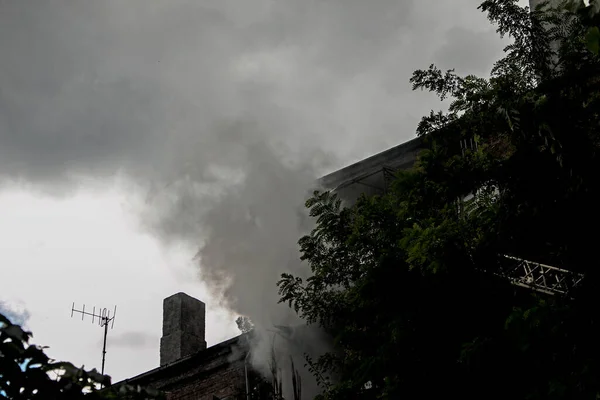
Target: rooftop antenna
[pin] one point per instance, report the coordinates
(104, 319)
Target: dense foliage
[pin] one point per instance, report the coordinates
(405, 281)
(26, 372)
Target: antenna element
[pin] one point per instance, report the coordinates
(104, 319)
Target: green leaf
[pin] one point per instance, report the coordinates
(15, 332)
(592, 39)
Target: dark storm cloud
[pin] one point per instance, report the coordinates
(93, 87)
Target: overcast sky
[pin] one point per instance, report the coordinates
(137, 134)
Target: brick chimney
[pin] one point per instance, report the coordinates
(183, 328)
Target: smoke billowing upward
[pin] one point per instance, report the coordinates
(247, 232)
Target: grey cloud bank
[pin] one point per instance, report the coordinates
(164, 88)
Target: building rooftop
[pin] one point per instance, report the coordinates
(397, 157)
(370, 176)
(200, 362)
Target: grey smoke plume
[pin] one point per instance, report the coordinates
(221, 111)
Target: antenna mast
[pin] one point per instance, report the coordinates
(104, 319)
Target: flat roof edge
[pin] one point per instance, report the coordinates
(200, 354)
(389, 156)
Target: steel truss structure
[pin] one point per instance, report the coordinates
(539, 277)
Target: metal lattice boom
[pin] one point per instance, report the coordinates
(539, 277)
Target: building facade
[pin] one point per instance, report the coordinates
(188, 369)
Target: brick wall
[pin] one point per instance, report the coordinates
(217, 372)
(227, 382)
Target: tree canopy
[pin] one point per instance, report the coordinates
(26, 372)
(405, 282)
